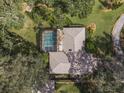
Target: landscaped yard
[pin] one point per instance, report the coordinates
(104, 22)
(66, 88)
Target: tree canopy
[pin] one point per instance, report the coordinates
(58, 11)
(112, 3)
(10, 16)
(22, 67)
(106, 79)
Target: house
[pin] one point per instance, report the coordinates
(58, 62)
(58, 43)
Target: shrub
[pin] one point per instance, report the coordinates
(112, 4)
(91, 27)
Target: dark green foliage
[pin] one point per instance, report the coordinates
(10, 15)
(90, 46)
(22, 67)
(80, 8)
(111, 4)
(107, 78)
(100, 45)
(55, 11)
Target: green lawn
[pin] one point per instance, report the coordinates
(67, 88)
(104, 20)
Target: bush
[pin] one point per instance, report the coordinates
(112, 4)
(55, 12)
(21, 65)
(91, 27)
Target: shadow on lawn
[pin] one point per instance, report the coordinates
(14, 44)
(38, 39)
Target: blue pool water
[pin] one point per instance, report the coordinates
(49, 41)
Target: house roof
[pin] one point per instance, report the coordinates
(73, 38)
(59, 63)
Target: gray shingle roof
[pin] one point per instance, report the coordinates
(73, 38)
(59, 63)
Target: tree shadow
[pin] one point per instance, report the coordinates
(14, 44)
(109, 4)
(38, 39)
(104, 3)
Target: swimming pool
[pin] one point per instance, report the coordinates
(49, 41)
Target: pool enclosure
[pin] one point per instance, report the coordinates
(49, 41)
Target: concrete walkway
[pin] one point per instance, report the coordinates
(116, 36)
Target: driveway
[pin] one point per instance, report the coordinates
(116, 36)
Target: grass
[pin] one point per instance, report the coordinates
(103, 20)
(66, 88)
(27, 32)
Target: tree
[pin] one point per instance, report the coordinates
(106, 79)
(56, 11)
(10, 15)
(22, 67)
(112, 3)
